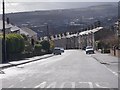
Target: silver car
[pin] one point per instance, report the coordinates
(57, 51)
(89, 50)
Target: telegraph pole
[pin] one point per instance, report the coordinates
(4, 41)
(48, 34)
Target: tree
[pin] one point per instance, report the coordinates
(37, 49)
(45, 45)
(52, 44)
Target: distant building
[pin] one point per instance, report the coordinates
(87, 38)
(29, 33)
(67, 42)
(9, 28)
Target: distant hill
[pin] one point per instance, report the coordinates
(60, 20)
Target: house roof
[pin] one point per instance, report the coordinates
(27, 31)
(91, 31)
(6, 25)
(13, 28)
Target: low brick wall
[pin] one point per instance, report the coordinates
(115, 52)
(118, 53)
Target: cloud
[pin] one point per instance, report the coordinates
(32, 6)
(61, 0)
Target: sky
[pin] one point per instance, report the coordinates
(33, 5)
(61, 0)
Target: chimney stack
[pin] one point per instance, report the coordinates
(8, 21)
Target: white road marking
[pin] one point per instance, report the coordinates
(72, 84)
(116, 74)
(89, 83)
(62, 85)
(42, 85)
(100, 86)
(11, 86)
(52, 85)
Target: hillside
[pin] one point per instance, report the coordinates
(60, 20)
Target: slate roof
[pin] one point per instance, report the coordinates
(27, 31)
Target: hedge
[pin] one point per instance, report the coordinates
(15, 43)
(38, 47)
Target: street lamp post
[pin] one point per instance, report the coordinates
(4, 41)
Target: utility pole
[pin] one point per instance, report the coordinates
(4, 41)
(48, 34)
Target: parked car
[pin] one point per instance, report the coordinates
(62, 49)
(89, 50)
(57, 51)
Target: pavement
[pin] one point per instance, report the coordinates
(105, 58)
(109, 61)
(27, 60)
(72, 69)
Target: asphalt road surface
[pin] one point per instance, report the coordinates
(72, 69)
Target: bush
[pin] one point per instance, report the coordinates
(28, 47)
(38, 47)
(25, 37)
(14, 43)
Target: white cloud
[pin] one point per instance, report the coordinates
(61, 0)
(28, 6)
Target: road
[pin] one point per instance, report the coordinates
(72, 69)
